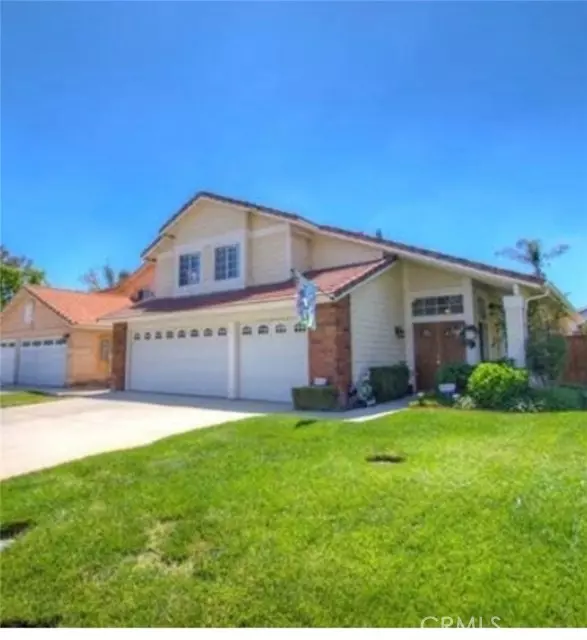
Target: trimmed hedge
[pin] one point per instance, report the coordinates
(457, 372)
(561, 398)
(315, 398)
(391, 382)
(496, 386)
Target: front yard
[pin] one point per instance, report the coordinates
(20, 398)
(271, 522)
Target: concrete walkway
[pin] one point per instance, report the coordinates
(89, 422)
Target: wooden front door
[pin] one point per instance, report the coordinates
(436, 343)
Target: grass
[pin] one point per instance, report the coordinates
(20, 398)
(267, 522)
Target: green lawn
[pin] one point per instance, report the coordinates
(268, 523)
(19, 398)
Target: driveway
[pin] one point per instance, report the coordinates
(38, 436)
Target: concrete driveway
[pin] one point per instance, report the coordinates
(43, 435)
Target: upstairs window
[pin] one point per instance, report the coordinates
(189, 269)
(226, 263)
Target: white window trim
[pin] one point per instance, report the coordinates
(178, 270)
(239, 249)
(207, 282)
(440, 317)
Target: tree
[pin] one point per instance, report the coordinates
(16, 271)
(379, 234)
(104, 278)
(545, 313)
(531, 252)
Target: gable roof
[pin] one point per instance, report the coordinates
(384, 244)
(333, 283)
(78, 307)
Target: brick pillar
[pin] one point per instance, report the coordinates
(119, 341)
(330, 344)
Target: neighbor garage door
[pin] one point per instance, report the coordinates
(191, 360)
(43, 362)
(273, 359)
(7, 361)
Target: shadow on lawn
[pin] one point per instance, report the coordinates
(12, 529)
(30, 624)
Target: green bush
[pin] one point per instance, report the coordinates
(389, 382)
(546, 356)
(457, 372)
(495, 386)
(315, 398)
(560, 398)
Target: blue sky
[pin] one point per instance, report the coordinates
(455, 126)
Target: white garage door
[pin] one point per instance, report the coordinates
(7, 361)
(273, 359)
(43, 362)
(191, 360)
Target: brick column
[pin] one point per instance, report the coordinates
(330, 344)
(119, 341)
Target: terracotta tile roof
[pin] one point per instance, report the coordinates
(79, 307)
(357, 235)
(332, 282)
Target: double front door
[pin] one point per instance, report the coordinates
(436, 343)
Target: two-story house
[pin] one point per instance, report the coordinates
(222, 321)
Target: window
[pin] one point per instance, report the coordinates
(147, 336)
(104, 349)
(247, 331)
(28, 312)
(158, 335)
(437, 306)
(189, 269)
(263, 330)
(208, 333)
(137, 336)
(61, 341)
(169, 335)
(299, 328)
(280, 328)
(47, 342)
(26, 344)
(181, 333)
(194, 333)
(36, 343)
(222, 331)
(226, 264)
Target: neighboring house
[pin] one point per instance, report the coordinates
(223, 323)
(51, 337)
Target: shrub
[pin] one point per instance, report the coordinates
(315, 398)
(494, 386)
(465, 402)
(389, 382)
(561, 398)
(546, 355)
(457, 372)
